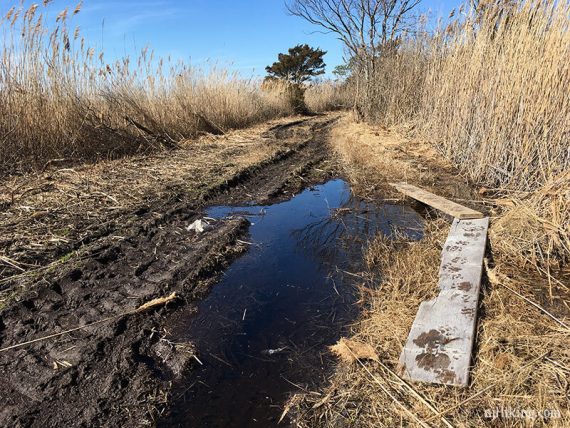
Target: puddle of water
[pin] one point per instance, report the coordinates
(265, 326)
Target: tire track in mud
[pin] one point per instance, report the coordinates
(119, 373)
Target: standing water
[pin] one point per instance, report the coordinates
(262, 332)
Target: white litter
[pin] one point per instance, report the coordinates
(273, 351)
(199, 226)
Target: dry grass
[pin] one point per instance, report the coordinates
(60, 99)
(377, 155)
(327, 96)
(522, 361)
(491, 92)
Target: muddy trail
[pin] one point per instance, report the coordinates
(262, 332)
(120, 372)
(259, 296)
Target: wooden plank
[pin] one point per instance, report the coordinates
(439, 346)
(437, 202)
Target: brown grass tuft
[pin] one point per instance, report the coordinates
(327, 96)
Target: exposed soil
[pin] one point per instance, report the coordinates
(119, 373)
(85, 244)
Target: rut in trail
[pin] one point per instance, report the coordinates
(118, 373)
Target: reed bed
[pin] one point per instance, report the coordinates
(521, 363)
(60, 99)
(490, 90)
(328, 96)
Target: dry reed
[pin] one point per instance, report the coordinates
(327, 96)
(61, 99)
(490, 90)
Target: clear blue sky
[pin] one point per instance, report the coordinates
(243, 35)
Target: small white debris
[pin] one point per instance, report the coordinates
(199, 226)
(273, 351)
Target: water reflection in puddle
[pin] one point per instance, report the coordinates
(265, 326)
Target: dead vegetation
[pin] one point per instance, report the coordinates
(489, 90)
(488, 96)
(522, 361)
(63, 101)
(327, 96)
(47, 217)
(131, 249)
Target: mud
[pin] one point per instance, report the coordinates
(120, 373)
(263, 331)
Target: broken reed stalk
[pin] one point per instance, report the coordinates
(392, 397)
(51, 336)
(419, 396)
(151, 304)
(477, 394)
(363, 351)
(498, 279)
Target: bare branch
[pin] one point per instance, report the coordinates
(362, 25)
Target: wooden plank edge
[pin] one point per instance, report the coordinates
(469, 214)
(442, 318)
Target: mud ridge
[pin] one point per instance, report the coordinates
(119, 373)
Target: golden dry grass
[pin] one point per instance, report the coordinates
(522, 360)
(490, 91)
(62, 99)
(376, 155)
(327, 96)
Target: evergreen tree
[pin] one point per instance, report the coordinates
(299, 65)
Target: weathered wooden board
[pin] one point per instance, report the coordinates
(438, 202)
(439, 346)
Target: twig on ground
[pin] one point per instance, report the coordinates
(153, 303)
(499, 279)
(11, 263)
(477, 394)
(392, 396)
(416, 394)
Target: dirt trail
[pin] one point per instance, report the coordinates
(119, 373)
(48, 216)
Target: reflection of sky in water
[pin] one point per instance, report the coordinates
(286, 294)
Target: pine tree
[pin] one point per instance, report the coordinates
(299, 65)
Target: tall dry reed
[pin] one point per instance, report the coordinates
(328, 95)
(60, 98)
(491, 90)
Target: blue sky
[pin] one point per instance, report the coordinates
(243, 35)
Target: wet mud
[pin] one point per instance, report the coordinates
(129, 371)
(264, 329)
